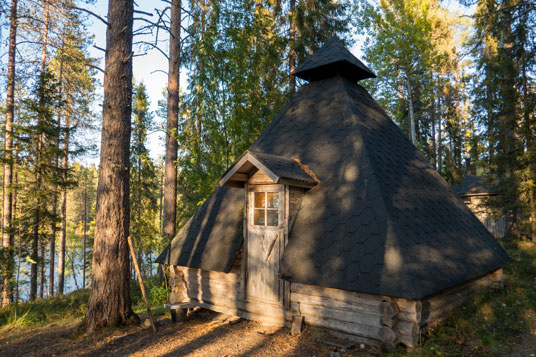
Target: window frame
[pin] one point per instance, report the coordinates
(280, 190)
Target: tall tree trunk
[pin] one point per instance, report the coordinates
(170, 180)
(7, 214)
(85, 231)
(109, 301)
(292, 47)
(38, 168)
(52, 249)
(19, 245)
(439, 137)
(411, 112)
(63, 209)
(42, 278)
(433, 116)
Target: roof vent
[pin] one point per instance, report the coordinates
(331, 60)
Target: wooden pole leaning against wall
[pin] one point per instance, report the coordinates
(140, 280)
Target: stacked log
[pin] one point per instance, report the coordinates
(371, 317)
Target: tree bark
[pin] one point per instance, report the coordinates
(170, 177)
(85, 231)
(42, 278)
(292, 47)
(7, 214)
(63, 209)
(439, 137)
(411, 112)
(52, 249)
(109, 301)
(38, 173)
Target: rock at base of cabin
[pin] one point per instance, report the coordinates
(297, 325)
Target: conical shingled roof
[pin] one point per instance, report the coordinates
(330, 60)
(381, 220)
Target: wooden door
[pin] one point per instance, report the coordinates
(265, 242)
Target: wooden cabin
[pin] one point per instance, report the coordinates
(475, 192)
(334, 216)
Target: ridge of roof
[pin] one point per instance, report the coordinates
(392, 226)
(330, 60)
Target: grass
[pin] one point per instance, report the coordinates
(41, 312)
(74, 306)
(492, 323)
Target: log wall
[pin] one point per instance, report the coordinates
(437, 307)
(367, 318)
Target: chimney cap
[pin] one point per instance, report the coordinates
(330, 60)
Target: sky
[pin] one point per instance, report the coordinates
(151, 67)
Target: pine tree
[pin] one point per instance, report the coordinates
(143, 178)
(109, 302)
(7, 213)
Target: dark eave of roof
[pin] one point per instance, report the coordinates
(331, 60)
(278, 168)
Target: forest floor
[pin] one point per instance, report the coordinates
(493, 324)
(206, 333)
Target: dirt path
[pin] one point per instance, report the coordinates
(205, 334)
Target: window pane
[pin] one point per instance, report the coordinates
(272, 217)
(273, 199)
(260, 199)
(258, 217)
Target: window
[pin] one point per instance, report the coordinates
(266, 209)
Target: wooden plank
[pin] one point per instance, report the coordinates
(264, 312)
(260, 178)
(191, 273)
(243, 268)
(342, 326)
(266, 188)
(438, 301)
(408, 340)
(212, 285)
(341, 315)
(236, 167)
(407, 328)
(268, 320)
(240, 177)
(339, 295)
(410, 310)
(321, 302)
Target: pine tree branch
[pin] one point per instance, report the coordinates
(89, 12)
(154, 46)
(143, 12)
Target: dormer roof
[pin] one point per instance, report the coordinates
(280, 170)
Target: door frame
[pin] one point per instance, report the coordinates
(284, 286)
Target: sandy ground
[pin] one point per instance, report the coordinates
(204, 334)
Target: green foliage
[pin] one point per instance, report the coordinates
(144, 182)
(157, 293)
(505, 102)
(413, 48)
(238, 81)
(73, 305)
